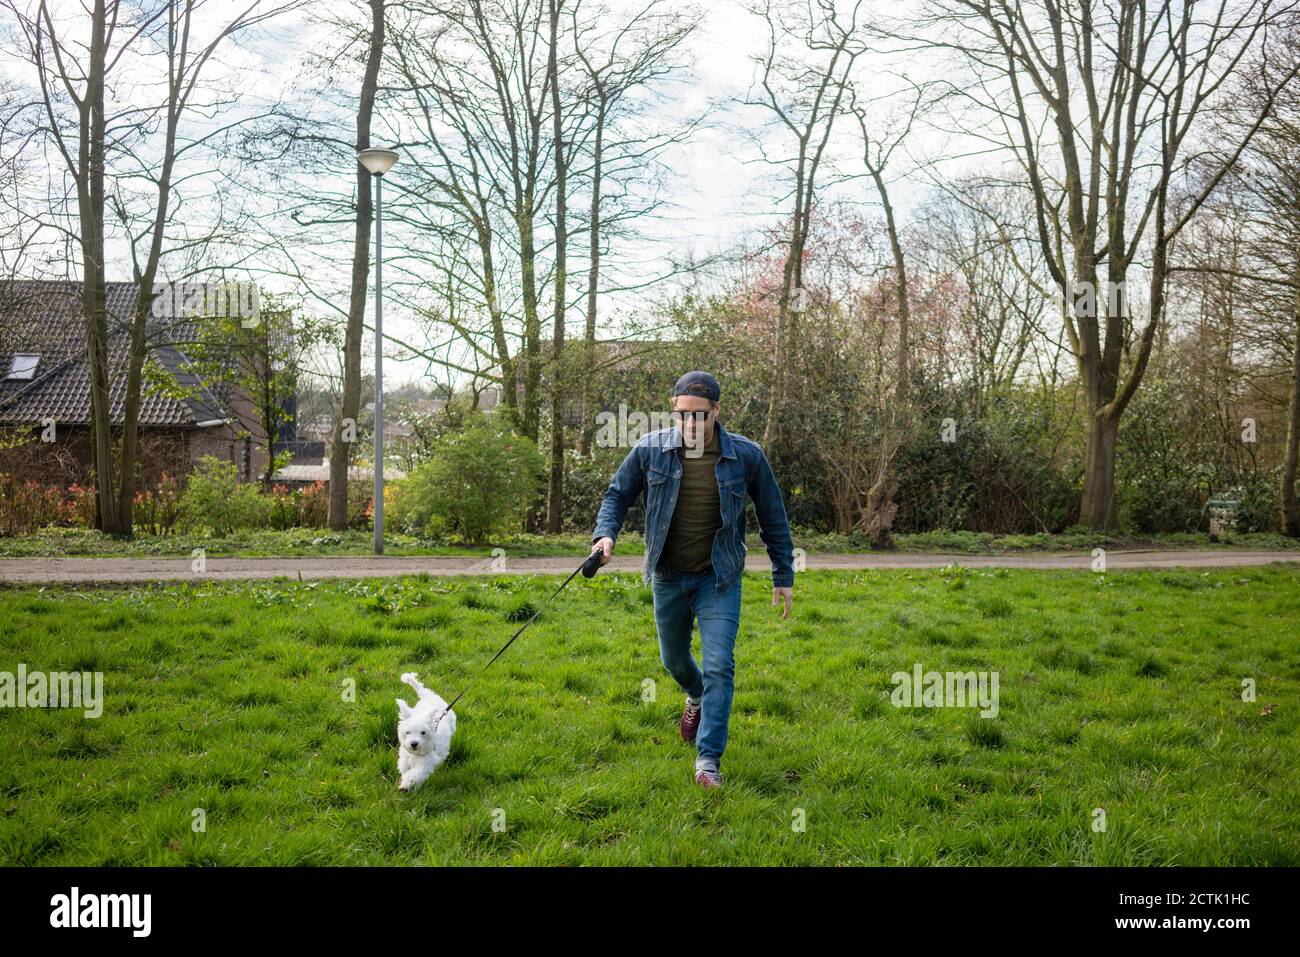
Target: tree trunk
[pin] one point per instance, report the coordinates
(879, 513)
(791, 279)
(130, 426)
(534, 521)
(593, 276)
(509, 367)
(341, 449)
(555, 481)
(140, 326)
(532, 324)
(1290, 518)
(1097, 506)
(270, 408)
(94, 300)
(880, 500)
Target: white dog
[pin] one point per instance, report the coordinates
(423, 734)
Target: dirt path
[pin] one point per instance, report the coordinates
(126, 570)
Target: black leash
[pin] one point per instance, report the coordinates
(588, 569)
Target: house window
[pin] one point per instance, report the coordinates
(23, 367)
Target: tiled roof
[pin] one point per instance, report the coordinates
(44, 318)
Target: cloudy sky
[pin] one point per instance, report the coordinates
(723, 195)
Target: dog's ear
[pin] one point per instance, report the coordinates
(403, 710)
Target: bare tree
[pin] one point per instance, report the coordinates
(1121, 87)
(147, 141)
(559, 377)
(507, 126)
(340, 448)
(477, 86)
(1249, 236)
(973, 232)
(804, 87)
(877, 153)
(626, 59)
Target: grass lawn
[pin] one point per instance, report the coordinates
(293, 542)
(1118, 691)
(312, 542)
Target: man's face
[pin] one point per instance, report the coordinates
(695, 435)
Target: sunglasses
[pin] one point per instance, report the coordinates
(699, 416)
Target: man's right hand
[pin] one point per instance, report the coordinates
(605, 546)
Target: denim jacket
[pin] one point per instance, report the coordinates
(654, 467)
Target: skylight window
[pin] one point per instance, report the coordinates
(23, 367)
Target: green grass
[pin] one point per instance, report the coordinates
(294, 542)
(1118, 691)
(309, 542)
(1083, 540)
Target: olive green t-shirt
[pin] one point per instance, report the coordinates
(697, 516)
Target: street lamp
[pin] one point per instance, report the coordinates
(378, 162)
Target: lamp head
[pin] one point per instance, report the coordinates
(377, 161)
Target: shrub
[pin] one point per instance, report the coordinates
(313, 505)
(27, 506)
(216, 502)
(1261, 501)
(585, 483)
(82, 509)
(283, 511)
(478, 482)
(309, 506)
(155, 510)
(1001, 475)
(361, 511)
(1164, 467)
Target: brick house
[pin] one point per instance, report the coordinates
(44, 380)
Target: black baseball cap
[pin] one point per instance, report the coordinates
(698, 383)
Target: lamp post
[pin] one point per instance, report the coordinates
(378, 162)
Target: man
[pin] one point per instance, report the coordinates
(696, 476)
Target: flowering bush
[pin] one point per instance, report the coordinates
(314, 505)
(213, 500)
(284, 512)
(309, 506)
(155, 510)
(83, 505)
(27, 506)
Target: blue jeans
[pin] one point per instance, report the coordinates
(681, 598)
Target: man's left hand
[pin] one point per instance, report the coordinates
(784, 597)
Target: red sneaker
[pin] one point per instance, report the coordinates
(709, 779)
(690, 722)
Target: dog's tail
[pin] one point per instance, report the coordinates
(412, 678)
